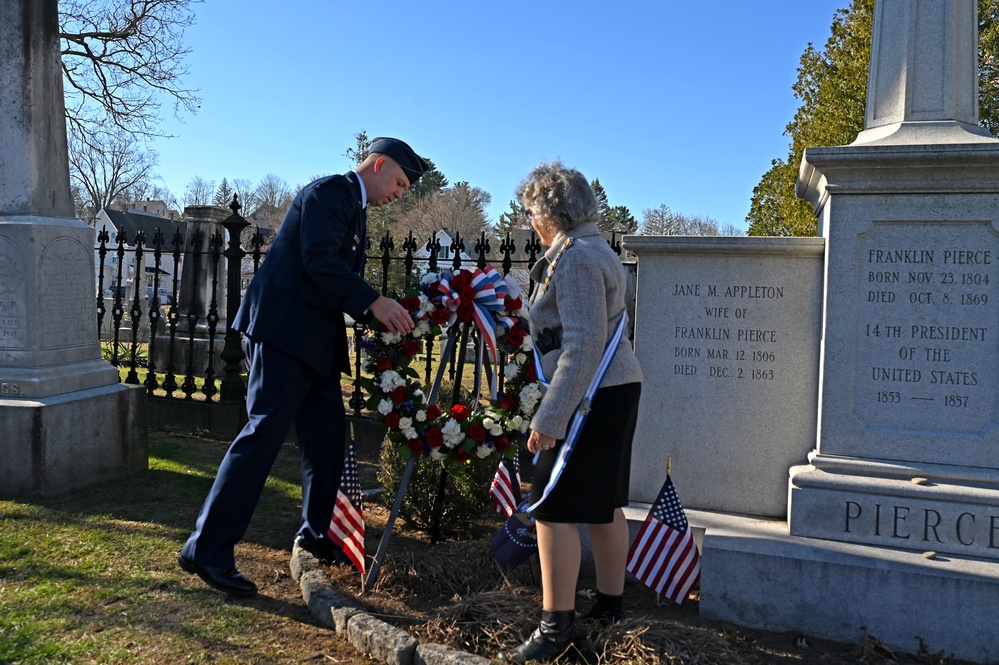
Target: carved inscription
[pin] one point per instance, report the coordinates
(13, 314)
(729, 338)
(67, 294)
(918, 525)
(926, 337)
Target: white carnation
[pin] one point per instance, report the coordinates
(388, 380)
(408, 432)
(496, 430)
(436, 454)
(452, 433)
(483, 451)
(511, 371)
(405, 423)
(391, 338)
(421, 416)
(384, 407)
(488, 422)
(429, 278)
(528, 344)
(521, 358)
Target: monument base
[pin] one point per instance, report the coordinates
(58, 444)
(755, 574)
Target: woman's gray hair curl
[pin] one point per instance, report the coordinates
(561, 196)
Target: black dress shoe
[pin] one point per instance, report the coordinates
(324, 550)
(226, 580)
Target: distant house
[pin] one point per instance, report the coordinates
(445, 255)
(129, 223)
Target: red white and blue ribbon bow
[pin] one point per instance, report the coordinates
(486, 294)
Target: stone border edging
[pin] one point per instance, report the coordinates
(366, 633)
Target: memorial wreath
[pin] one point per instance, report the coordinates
(484, 431)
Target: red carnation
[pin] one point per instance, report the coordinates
(415, 446)
(399, 395)
(516, 336)
(411, 303)
(465, 311)
(477, 432)
(433, 412)
(459, 412)
(383, 363)
(410, 347)
(468, 293)
(502, 443)
(392, 420)
(462, 454)
(434, 437)
(513, 304)
(440, 316)
(508, 402)
(532, 374)
(461, 280)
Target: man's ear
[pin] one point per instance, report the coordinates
(378, 165)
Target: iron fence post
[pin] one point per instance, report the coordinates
(233, 389)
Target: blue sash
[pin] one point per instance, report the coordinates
(582, 411)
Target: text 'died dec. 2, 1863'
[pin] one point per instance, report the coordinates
(927, 310)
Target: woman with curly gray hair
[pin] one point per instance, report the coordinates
(583, 428)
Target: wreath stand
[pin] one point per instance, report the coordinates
(455, 332)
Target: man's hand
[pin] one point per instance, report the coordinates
(392, 315)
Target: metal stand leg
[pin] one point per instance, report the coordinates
(393, 516)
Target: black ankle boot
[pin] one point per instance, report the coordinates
(605, 608)
(551, 638)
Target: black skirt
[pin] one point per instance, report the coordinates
(596, 477)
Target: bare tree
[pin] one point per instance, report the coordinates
(102, 174)
(459, 208)
(199, 192)
(120, 58)
(662, 221)
(272, 192)
(244, 189)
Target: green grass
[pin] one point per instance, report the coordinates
(92, 577)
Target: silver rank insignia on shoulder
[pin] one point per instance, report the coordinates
(584, 406)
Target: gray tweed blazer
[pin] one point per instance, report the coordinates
(583, 303)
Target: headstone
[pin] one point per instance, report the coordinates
(894, 524)
(64, 420)
(728, 340)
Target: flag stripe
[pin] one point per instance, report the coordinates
(347, 522)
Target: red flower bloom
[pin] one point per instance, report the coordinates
(433, 412)
(415, 446)
(460, 280)
(516, 336)
(465, 311)
(410, 347)
(467, 293)
(392, 420)
(502, 443)
(411, 303)
(477, 432)
(532, 373)
(513, 304)
(382, 363)
(440, 316)
(508, 402)
(399, 395)
(434, 437)
(459, 412)
(462, 454)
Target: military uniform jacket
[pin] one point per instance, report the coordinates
(580, 307)
(311, 276)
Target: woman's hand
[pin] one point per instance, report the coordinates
(538, 441)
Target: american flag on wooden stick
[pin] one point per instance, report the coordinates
(664, 555)
(506, 486)
(347, 523)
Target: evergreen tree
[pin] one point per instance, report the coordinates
(514, 218)
(618, 220)
(601, 194)
(223, 195)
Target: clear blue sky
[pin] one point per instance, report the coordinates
(682, 103)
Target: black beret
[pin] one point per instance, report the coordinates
(403, 155)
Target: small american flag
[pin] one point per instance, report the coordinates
(664, 555)
(506, 486)
(347, 524)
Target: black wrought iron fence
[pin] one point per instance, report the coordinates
(165, 305)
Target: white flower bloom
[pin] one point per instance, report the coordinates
(388, 380)
(496, 430)
(391, 338)
(425, 304)
(528, 344)
(521, 357)
(408, 432)
(429, 278)
(511, 371)
(436, 454)
(516, 421)
(405, 423)
(384, 407)
(522, 312)
(421, 416)
(483, 451)
(452, 433)
(488, 422)
(524, 426)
